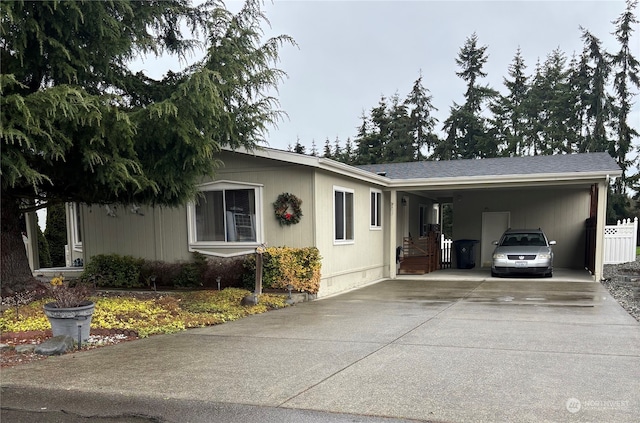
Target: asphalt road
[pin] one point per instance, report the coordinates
(55, 406)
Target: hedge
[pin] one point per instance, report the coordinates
(283, 266)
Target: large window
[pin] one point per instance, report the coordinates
(376, 209)
(343, 214)
(225, 213)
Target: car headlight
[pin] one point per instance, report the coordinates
(499, 256)
(544, 256)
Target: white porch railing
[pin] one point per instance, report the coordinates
(620, 241)
(445, 247)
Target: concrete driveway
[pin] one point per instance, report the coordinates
(530, 350)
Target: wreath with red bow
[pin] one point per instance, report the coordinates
(287, 209)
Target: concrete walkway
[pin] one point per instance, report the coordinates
(530, 350)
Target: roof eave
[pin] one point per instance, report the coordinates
(312, 161)
(432, 183)
(505, 180)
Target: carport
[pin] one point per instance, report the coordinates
(565, 195)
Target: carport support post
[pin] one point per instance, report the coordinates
(600, 224)
(393, 236)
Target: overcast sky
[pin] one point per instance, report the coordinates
(351, 52)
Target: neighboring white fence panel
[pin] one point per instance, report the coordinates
(620, 242)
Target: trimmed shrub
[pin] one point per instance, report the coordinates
(114, 271)
(283, 266)
(163, 272)
(230, 270)
(191, 274)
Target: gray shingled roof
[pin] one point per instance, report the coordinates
(528, 165)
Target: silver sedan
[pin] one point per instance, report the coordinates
(523, 251)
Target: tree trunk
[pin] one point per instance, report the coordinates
(15, 272)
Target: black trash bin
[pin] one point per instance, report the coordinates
(465, 254)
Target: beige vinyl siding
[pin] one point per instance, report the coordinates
(349, 265)
(156, 234)
(170, 234)
(161, 234)
(560, 212)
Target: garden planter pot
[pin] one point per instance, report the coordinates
(70, 321)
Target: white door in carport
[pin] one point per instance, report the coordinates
(493, 225)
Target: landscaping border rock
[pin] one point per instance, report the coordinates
(623, 283)
(55, 346)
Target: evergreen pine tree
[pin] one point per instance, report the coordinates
(327, 149)
(626, 70)
(598, 103)
(579, 81)
(535, 114)
(508, 120)
(422, 123)
(337, 150)
(78, 125)
(347, 153)
(299, 148)
(466, 126)
(379, 136)
(551, 108)
(399, 145)
(446, 149)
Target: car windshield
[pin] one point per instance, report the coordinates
(528, 239)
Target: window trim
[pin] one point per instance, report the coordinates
(353, 217)
(376, 209)
(225, 185)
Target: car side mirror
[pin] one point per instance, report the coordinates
(552, 243)
(494, 242)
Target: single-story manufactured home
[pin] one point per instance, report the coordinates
(364, 219)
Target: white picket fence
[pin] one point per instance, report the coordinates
(620, 241)
(445, 246)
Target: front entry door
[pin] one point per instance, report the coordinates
(493, 225)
